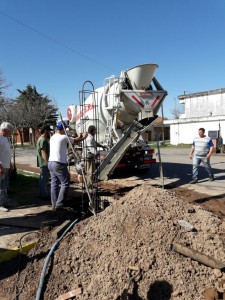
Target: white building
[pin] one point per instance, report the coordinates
(205, 109)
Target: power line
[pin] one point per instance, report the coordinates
(55, 41)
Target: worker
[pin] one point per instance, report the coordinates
(90, 154)
(42, 150)
(5, 163)
(201, 150)
(58, 164)
(79, 167)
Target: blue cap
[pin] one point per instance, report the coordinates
(60, 124)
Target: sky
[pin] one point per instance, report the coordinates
(56, 45)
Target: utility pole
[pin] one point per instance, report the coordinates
(163, 135)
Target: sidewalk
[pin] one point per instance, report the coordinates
(26, 160)
(26, 220)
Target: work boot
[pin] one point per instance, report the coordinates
(63, 208)
(194, 180)
(2, 208)
(211, 178)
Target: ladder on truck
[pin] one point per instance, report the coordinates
(116, 153)
(93, 117)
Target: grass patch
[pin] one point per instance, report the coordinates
(25, 188)
(25, 146)
(179, 146)
(167, 145)
(24, 180)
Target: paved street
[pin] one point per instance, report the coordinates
(177, 169)
(26, 156)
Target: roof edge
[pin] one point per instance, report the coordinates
(206, 93)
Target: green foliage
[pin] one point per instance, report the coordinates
(39, 108)
(29, 110)
(25, 146)
(168, 145)
(25, 179)
(25, 187)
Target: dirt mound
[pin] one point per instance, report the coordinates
(125, 252)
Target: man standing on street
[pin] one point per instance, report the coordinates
(201, 150)
(5, 163)
(58, 164)
(42, 150)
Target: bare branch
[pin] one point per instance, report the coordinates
(3, 83)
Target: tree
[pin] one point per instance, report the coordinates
(12, 113)
(177, 110)
(29, 110)
(9, 110)
(39, 109)
(6, 105)
(3, 83)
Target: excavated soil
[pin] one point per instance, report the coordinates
(125, 252)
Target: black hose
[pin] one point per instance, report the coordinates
(41, 282)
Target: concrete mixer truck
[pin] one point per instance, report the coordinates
(122, 110)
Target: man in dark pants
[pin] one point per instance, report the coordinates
(58, 164)
(42, 150)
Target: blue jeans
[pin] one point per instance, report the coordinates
(4, 181)
(59, 175)
(196, 163)
(43, 181)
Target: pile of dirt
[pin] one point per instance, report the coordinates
(125, 252)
